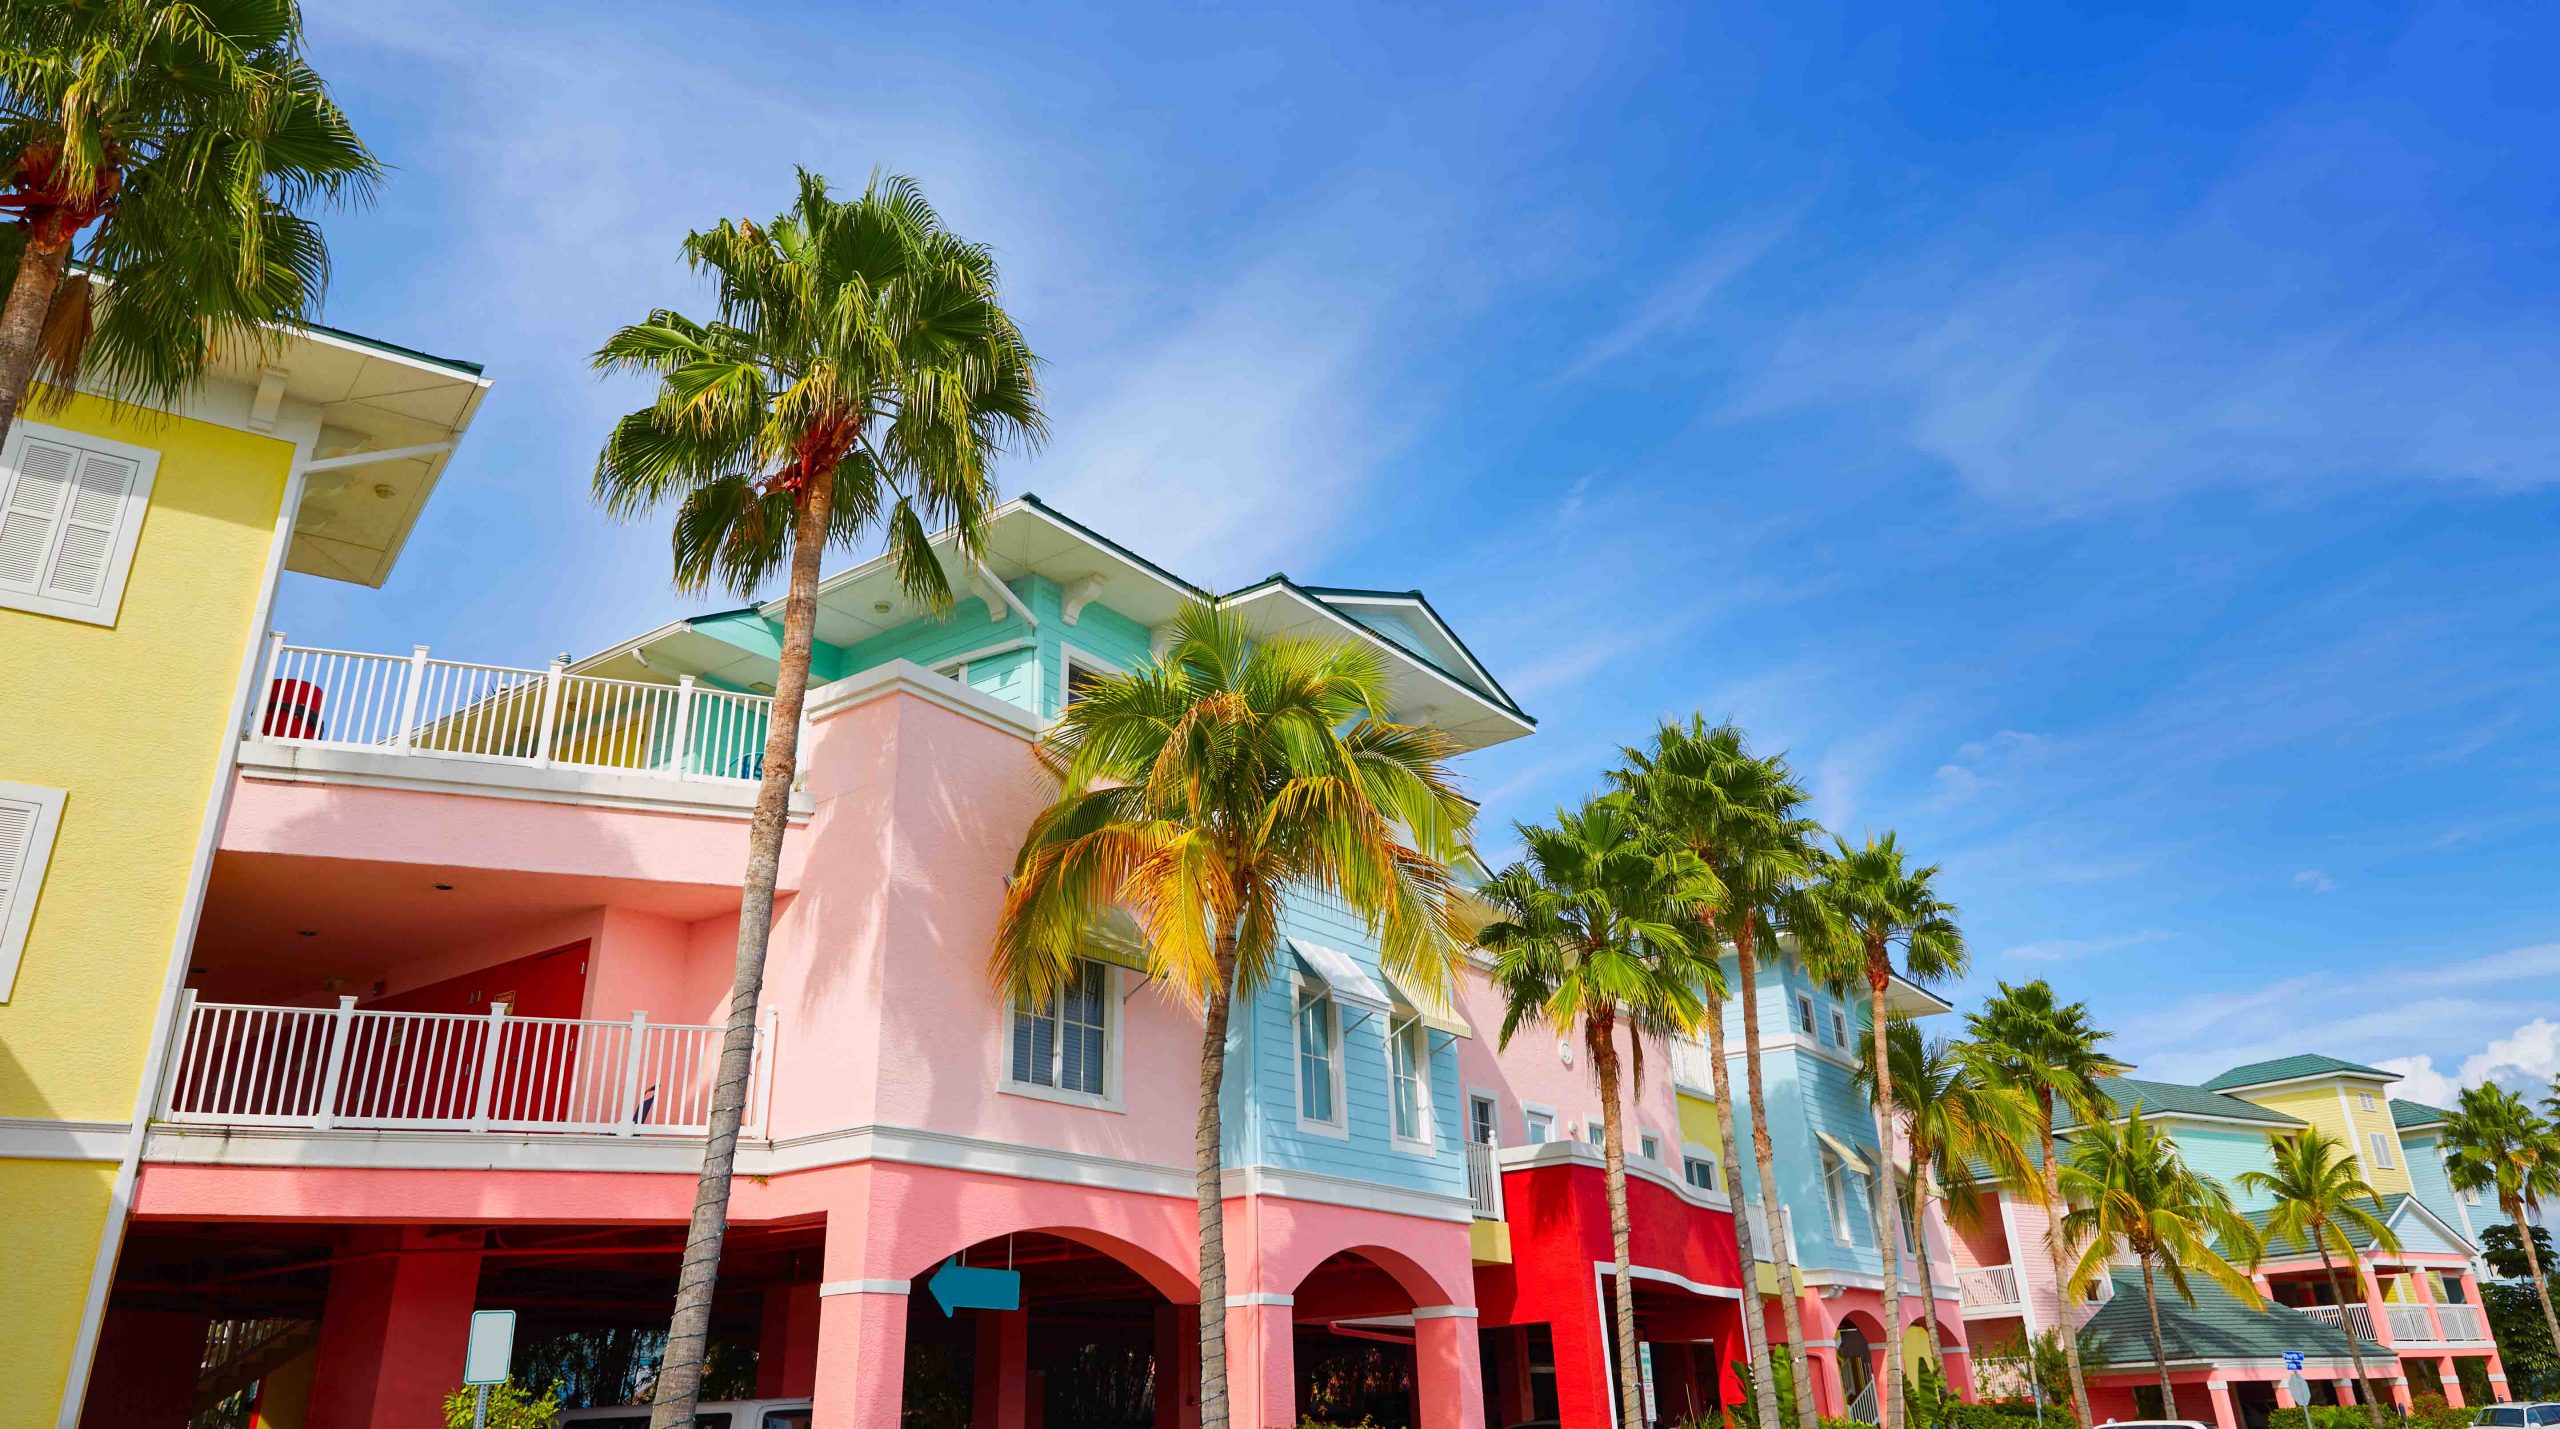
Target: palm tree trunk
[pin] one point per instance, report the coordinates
(22, 325)
(2355, 1345)
(2533, 1262)
(2159, 1347)
(1613, 1155)
(1755, 1320)
(1920, 1197)
(688, 1332)
(2065, 1331)
(1208, 1183)
(1889, 1195)
(1764, 1152)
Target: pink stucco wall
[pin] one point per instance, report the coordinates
(1530, 1071)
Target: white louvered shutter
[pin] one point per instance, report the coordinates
(68, 513)
(18, 821)
(90, 524)
(38, 489)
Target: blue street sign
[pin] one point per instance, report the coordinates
(968, 1287)
(2293, 1359)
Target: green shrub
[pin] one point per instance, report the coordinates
(2431, 1412)
(509, 1407)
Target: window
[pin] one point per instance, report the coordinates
(1083, 672)
(2381, 1142)
(1839, 1028)
(2364, 1101)
(1409, 1082)
(1594, 1132)
(28, 818)
(1699, 1172)
(1835, 1192)
(2471, 1197)
(1649, 1146)
(1911, 1226)
(70, 510)
(1063, 1044)
(1804, 1014)
(1319, 1062)
(1484, 1124)
(1538, 1126)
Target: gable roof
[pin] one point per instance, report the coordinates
(2409, 1116)
(2398, 1208)
(2172, 1100)
(2286, 1069)
(2217, 1327)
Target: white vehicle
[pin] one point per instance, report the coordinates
(2524, 1415)
(715, 1414)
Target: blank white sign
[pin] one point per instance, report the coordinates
(493, 1344)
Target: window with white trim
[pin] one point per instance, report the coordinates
(1083, 672)
(1537, 1127)
(1839, 1028)
(1699, 1170)
(1484, 1121)
(1063, 1044)
(2381, 1142)
(1911, 1226)
(71, 508)
(1804, 1014)
(29, 817)
(1595, 1133)
(1409, 1082)
(1319, 1061)
(1649, 1146)
(1835, 1194)
(2364, 1101)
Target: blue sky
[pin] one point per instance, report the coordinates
(2116, 450)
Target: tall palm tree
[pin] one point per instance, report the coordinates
(2047, 1050)
(2127, 1185)
(1595, 930)
(2494, 1142)
(1701, 785)
(1883, 905)
(860, 376)
(157, 156)
(2319, 1197)
(1953, 1117)
(1200, 791)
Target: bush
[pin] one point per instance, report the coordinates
(2007, 1414)
(509, 1407)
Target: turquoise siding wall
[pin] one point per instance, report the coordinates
(1806, 1092)
(2425, 1154)
(2222, 1153)
(1262, 1080)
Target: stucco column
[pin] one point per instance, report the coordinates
(1262, 1362)
(787, 1345)
(1003, 1369)
(1177, 1367)
(393, 1330)
(1584, 1351)
(2451, 1376)
(1448, 1374)
(145, 1373)
(2374, 1308)
(2425, 1282)
(2226, 1415)
(862, 1354)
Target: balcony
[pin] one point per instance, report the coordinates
(325, 1069)
(414, 720)
(2408, 1324)
(1990, 1290)
(1484, 1180)
(1691, 1070)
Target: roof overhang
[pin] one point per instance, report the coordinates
(1424, 693)
(2335, 1074)
(1850, 1156)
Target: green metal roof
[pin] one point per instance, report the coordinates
(2285, 1069)
(2406, 1114)
(395, 349)
(2357, 1236)
(2218, 1326)
(2170, 1099)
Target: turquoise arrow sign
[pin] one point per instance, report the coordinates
(967, 1287)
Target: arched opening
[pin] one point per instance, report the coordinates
(1857, 1369)
(1355, 1342)
(1047, 1327)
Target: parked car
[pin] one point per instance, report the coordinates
(716, 1414)
(2524, 1414)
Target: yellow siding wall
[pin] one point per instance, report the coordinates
(1699, 1124)
(130, 720)
(2331, 1106)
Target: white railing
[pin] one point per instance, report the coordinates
(1690, 1067)
(2356, 1320)
(454, 709)
(2409, 1322)
(334, 1068)
(1986, 1286)
(1484, 1180)
(2462, 1322)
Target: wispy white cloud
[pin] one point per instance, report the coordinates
(2314, 880)
(2063, 950)
(1673, 305)
(2526, 1059)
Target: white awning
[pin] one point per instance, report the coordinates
(1349, 983)
(1849, 1155)
(1435, 1010)
(1117, 939)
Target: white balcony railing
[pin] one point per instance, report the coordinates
(2409, 1324)
(2462, 1322)
(1484, 1180)
(2356, 1320)
(331, 1068)
(1690, 1067)
(453, 709)
(1988, 1287)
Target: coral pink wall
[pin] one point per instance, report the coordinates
(1530, 1071)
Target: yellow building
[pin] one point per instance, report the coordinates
(139, 557)
(2352, 1103)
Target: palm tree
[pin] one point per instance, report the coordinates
(2494, 1142)
(2047, 1051)
(2319, 1198)
(1702, 786)
(1951, 1115)
(860, 376)
(2128, 1185)
(1199, 792)
(1882, 904)
(1596, 929)
(157, 155)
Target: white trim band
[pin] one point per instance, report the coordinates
(865, 1287)
(1444, 1312)
(1259, 1298)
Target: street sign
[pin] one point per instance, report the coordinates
(491, 1347)
(968, 1287)
(2293, 1360)
(2300, 1389)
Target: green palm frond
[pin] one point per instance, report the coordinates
(2130, 1190)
